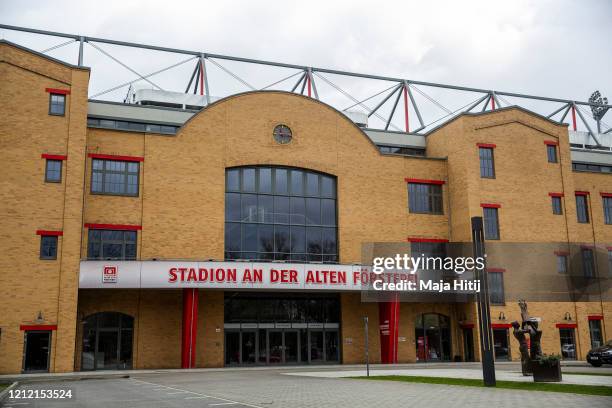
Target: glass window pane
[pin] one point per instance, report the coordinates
(249, 207)
(281, 210)
(266, 238)
(248, 180)
(232, 177)
(281, 239)
(265, 180)
(313, 211)
(232, 206)
(113, 251)
(313, 240)
(312, 184)
(328, 212)
(298, 239)
(298, 210)
(280, 181)
(249, 237)
(328, 241)
(328, 187)
(265, 211)
(297, 182)
(232, 237)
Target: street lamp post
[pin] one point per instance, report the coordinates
(484, 309)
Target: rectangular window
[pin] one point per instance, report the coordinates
(607, 205)
(496, 288)
(57, 104)
(425, 198)
(551, 152)
(582, 209)
(487, 165)
(114, 177)
(48, 247)
(491, 223)
(562, 264)
(595, 332)
(111, 244)
(53, 171)
(588, 263)
(556, 205)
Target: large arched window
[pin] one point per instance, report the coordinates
(280, 213)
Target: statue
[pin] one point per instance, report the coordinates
(519, 334)
(530, 350)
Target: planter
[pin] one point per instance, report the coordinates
(546, 372)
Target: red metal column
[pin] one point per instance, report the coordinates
(308, 82)
(492, 103)
(406, 108)
(190, 327)
(389, 330)
(574, 117)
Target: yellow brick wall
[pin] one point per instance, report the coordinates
(29, 285)
(180, 206)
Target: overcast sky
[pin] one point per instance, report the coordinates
(558, 48)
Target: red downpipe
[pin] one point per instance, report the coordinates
(190, 328)
(406, 109)
(574, 117)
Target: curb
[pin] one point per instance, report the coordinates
(5, 392)
(54, 378)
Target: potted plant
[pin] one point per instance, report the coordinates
(547, 368)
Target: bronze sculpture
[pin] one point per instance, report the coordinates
(531, 350)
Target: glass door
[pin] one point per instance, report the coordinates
(332, 350)
(500, 342)
(468, 344)
(291, 346)
(36, 353)
(232, 347)
(275, 346)
(248, 347)
(568, 344)
(316, 346)
(107, 350)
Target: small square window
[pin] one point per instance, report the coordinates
(53, 171)
(48, 247)
(551, 152)
(57, 104)
(556, 206)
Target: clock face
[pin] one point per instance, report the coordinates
(282, 134)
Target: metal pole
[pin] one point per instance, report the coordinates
(81, 41)
(367, 346)
(406, 119)
(484, 310)
(492, 101)
(308, 79)
(205, 76)
(574, 117)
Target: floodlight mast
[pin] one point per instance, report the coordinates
(487, 99)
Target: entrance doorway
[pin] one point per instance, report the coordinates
(568, 343)
(432, 334)
(281, 346)
(107, 341)
(468, 344)
(501, 344)
(36, 351)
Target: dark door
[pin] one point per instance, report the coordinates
(275, 344)
(291, 346)
(500, 342)
(232, 347)
(107, 350)
(468, 344)
(36, 355)
(332, 350)
(316, 346)
(568, 343)
(248, 347)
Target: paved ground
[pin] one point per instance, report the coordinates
(262, 388)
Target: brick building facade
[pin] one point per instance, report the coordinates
(151, 185)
